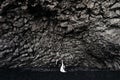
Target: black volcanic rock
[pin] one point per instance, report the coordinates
(40, 33)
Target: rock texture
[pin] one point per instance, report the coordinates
(41, 33)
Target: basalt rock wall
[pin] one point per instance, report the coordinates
(41, 33)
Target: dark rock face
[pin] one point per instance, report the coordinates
(40, 33)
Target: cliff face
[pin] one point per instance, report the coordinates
(40, 33)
